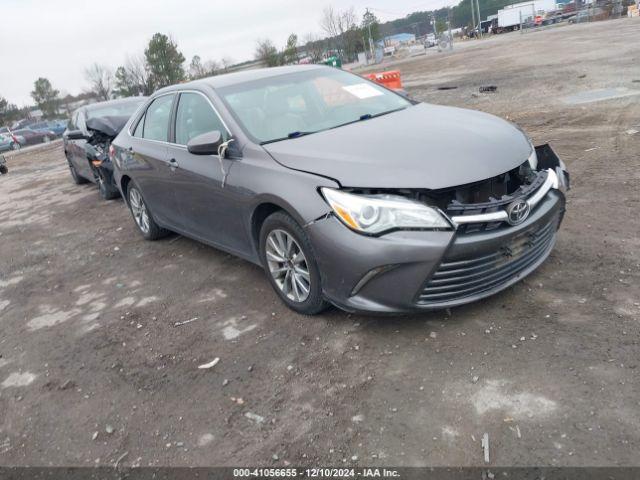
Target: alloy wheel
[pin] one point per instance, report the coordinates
(288, 265)
(139, 210)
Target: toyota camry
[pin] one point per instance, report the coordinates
(345, 192)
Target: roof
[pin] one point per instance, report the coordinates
(401, 36)
(118, 101)
(227, 79)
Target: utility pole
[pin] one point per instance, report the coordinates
(473, 16)
(370, 39)
(479, 18)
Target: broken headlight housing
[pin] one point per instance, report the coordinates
(376, 214)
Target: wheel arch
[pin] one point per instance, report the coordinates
(262, 210)
(124, 184)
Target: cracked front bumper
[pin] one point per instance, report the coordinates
(395, 273)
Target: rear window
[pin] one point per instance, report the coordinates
(115, 110)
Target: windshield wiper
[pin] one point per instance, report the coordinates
(368, 116)
(299, 133)
(295, 134)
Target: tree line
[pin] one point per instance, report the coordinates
(346, 34)
(161, 64)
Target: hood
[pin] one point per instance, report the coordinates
(109, 126)
(423, 146)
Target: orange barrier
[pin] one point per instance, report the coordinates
(390, 79)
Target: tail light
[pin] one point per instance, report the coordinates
(112, 153)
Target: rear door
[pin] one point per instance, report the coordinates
(149, 145)
(209, 211)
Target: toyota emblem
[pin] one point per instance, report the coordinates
(517, 212)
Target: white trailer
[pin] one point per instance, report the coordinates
(512, 15)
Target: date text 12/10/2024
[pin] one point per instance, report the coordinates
(315, 473)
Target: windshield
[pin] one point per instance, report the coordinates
(291, 105)
(116, 110)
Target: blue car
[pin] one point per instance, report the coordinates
(55, 126)
(58, 127)
(7, 142)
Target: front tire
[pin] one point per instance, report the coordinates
(3, 170)
(147, 226)
(107, 190)
(290, 264)
(77, 179)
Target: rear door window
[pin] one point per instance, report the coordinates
(194, 117)
(138, 131)
(156, 121)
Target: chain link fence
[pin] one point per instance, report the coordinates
(573, 12)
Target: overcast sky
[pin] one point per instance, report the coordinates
(58, 39)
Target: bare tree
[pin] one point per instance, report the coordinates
(330, 22)
(267, 52)
(100, 78)
(315, 47)
(226, 63)
(136, 67)
(212, 67)
(197, 69)
(341, 28)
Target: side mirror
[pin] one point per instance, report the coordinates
(205, 144)
(76, 135)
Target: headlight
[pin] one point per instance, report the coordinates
(375, 214)
(533, 159)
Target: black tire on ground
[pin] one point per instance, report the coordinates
(107, 190)
(77, 179)
(315, 302)
(149, 229)
(3, 170)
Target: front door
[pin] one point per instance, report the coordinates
(210, 210)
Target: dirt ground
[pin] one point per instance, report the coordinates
(93, 366)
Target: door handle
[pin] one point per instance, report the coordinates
(173, 164)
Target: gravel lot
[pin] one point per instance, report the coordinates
(92, 364)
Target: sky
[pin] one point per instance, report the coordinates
(58, 39)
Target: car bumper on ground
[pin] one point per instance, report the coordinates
(408, 271)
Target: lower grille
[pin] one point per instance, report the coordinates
(462, 278)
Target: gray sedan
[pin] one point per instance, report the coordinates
(345, 192)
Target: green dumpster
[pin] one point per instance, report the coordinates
(333, 62)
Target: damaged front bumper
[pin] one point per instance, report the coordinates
(407, 271)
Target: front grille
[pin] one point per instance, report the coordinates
(470, 276)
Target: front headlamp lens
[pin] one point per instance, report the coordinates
(375, 214)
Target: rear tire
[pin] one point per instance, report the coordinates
(147, 226)
(3, 170)
(290, 264)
